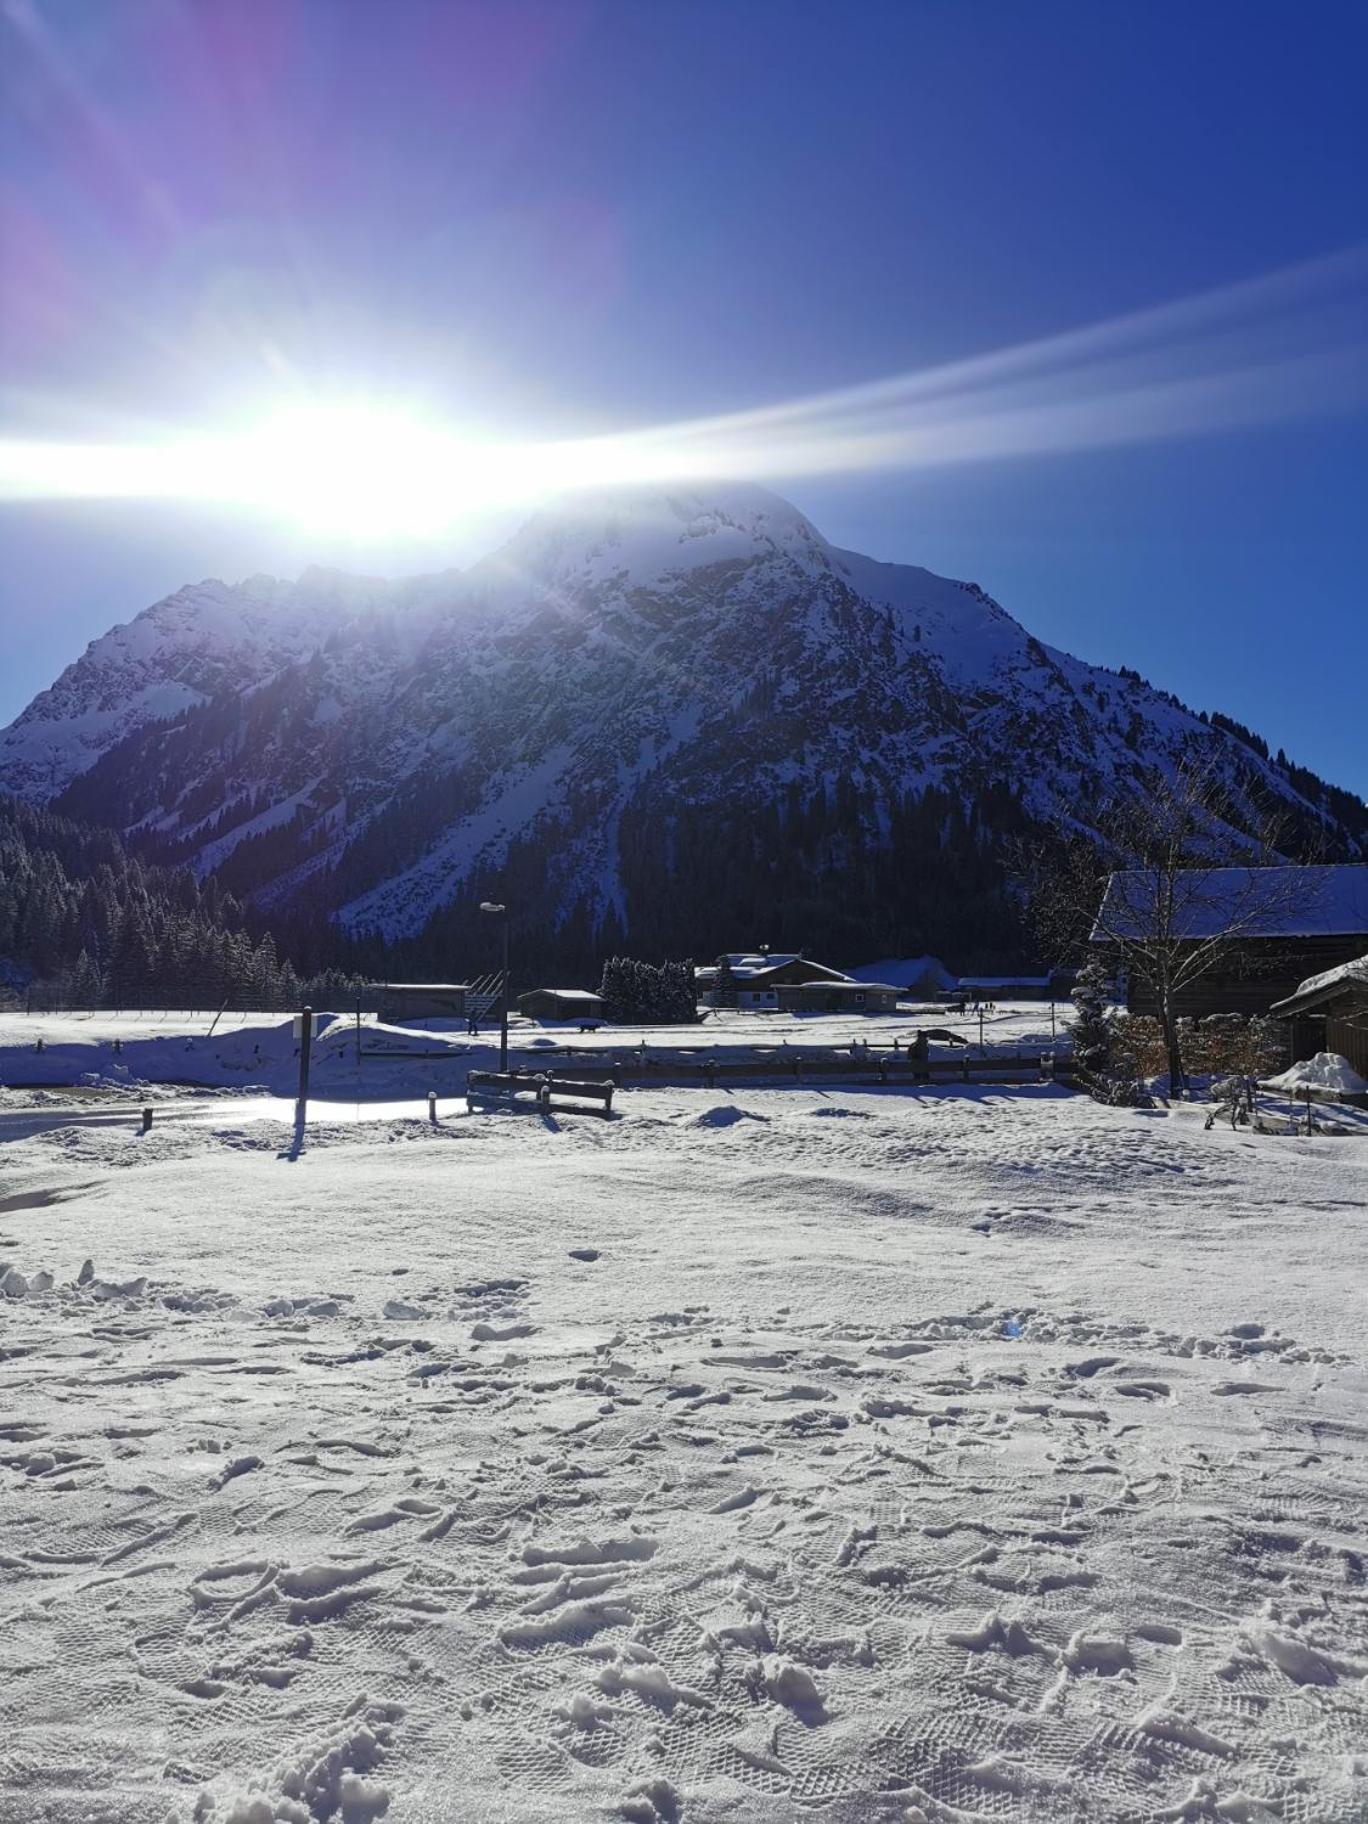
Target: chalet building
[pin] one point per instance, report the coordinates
(561, 1004)
(758, 975)
(838, 997)
(1329, 1012)
(400, 1001)
(1285, 925)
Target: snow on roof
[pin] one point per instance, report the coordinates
(905, 968)
(570, 994)
(1314, 985)
(1291, 901)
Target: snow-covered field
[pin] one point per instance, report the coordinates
(845, 1455)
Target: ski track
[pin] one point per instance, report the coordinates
(994, 1456)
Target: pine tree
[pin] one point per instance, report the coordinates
(724, 989)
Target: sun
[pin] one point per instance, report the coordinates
(362, 471)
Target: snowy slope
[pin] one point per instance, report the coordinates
(567, 705)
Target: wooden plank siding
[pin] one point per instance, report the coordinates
(1261, 971)
(1340, 1027)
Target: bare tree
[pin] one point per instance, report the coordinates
(1170, 888)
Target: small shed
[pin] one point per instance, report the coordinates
(837, 997)
(401, 1001)
(561, 1004)
(1329, 1012)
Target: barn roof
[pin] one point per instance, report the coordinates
(1290, 901)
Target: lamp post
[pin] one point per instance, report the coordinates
(500, 911)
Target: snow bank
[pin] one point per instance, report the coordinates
(1327, 1070)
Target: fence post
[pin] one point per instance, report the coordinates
(305, 1045)
(147, 1120)
(432, 1106)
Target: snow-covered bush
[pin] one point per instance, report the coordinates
(1091, 996)
(1106, 1056)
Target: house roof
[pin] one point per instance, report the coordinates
(754, 965)
(565, 994)
(747, 964)
(1325, 986)
(1290, 901)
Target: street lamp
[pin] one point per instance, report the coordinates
(499, 911)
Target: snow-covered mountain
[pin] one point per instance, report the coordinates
(658, 711)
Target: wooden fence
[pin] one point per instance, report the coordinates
(809, 1066)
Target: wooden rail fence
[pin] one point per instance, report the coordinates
(814, 1066)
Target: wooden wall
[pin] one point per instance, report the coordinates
(1264, 971)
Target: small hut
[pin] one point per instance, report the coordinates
(1329, 1012)
(837, 997)
(561, 1004)
(402, 1001)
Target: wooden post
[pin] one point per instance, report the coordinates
(358, 1029)
(147, 1120)
(432, 1106)
(305, 1045)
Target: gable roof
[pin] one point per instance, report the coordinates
(755, 965)
(1290, 901)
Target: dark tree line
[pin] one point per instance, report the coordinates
(836, 873)
(84, 923)
(645, 994)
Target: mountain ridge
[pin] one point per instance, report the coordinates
(629, 693)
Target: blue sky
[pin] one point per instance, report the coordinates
(577, 217)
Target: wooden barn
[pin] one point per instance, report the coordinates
(1285, 923)
(561, 1004)
(400, 1001)
(1329, 1012)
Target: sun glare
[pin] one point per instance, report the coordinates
(1290, 344)
(355, 470)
